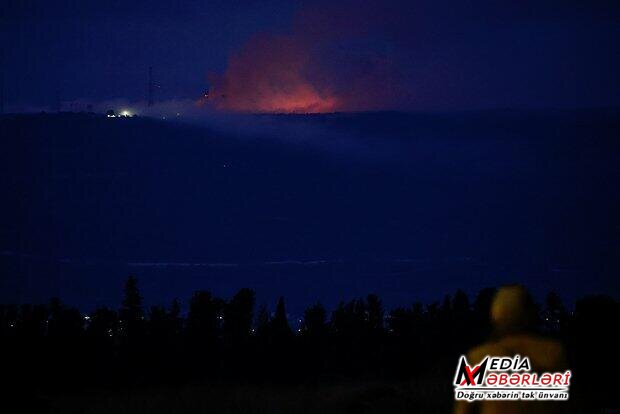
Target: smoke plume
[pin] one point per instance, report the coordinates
(331, 60)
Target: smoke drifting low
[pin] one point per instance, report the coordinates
(320, 66)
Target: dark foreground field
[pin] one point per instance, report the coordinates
(347, 397)
(225, 357)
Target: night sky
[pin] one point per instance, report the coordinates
(322, 56)
(483, 148)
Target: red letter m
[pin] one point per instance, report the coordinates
(466, 375)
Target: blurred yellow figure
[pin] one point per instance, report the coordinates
(512, 314)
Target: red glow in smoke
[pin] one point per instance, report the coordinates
(334, 58)
(272, 74)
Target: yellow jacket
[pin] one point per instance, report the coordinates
(545, 356)
(511, 311)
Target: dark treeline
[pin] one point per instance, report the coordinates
(229, 340)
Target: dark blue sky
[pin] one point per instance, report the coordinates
(102, 50)
(379, 55)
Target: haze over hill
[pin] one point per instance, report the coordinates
(409, 206)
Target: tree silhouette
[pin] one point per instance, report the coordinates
(131, 313)
(401, 323)
(280, 351)
(314, 334)
(9, 315)
(158, 327)
(594, 338)
(315, 321)
(460, 303)
(554, 314)
(203, 329)
(482, 304)
(482, 310)
(203, 317)
(64, 322)
(32, 321)
(132, 331)
(446, 305)
(263, 321)
(280, 328)
(174, 318)
(103, 324)
(216, 341)
(238, 315)
(374, 310)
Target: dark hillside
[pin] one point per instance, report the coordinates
(407, 205)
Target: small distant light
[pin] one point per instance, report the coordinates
(125, 113)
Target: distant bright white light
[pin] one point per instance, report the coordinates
(125, 113)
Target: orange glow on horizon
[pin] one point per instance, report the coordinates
(271, 75)
(304, 99)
